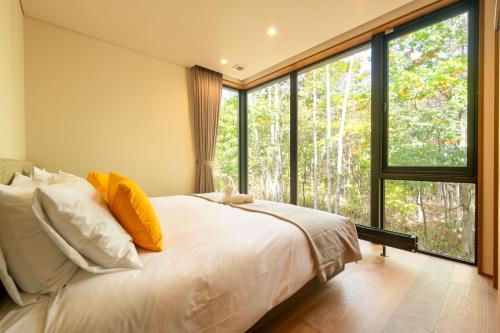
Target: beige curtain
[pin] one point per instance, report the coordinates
(207, 93)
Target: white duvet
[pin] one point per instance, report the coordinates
(221, 270)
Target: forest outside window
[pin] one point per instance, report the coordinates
(427, 96)
(226, 147)
(441, 214)
(268, 114)
(428, 178)
(384, 133)
(334, 126)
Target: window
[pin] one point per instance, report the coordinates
(334, 125)
(427, 102)
(428, 172)
(268, 117)
(441, 214)
(226, 147)
(384, 133)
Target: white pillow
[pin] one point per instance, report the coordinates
(41, 176)
(23, 181)
(8, 282)
(32, 259)
(74, 210)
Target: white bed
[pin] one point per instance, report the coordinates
(221, 270)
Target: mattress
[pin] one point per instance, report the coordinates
(221, 270)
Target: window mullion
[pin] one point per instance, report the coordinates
(242, 139)
(376, 129)
(293, 138)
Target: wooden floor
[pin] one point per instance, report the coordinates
(404, 292)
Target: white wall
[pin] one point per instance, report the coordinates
(91, 105)
(11, 80)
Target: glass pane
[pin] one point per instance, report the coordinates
(442, 215)
(226, 148)
(334, 127)
(269, 142)
(428, 96)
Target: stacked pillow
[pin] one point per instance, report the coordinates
(131, 207)
(74, 216)
(51, 224)
(28, 257)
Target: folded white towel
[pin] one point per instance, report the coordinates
(233, 197)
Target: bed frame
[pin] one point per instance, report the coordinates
(309, 289)
(7, 170)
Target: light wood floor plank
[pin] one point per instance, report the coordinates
(493, 313)
(405, 292)
(465, 310)
(399, 325)
(421, 306)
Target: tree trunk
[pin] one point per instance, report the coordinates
(467, 221)
(422, 218)
(445, 203)
(340, 148)
(272, 131)
(260, 172)
(315, 144)
(304, 180)
(459, 212)
(328, 142)
(279, 163)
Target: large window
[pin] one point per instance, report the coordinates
(226, 148)
(268, 117)
(384, 133)
(334, 125)
(427, 179)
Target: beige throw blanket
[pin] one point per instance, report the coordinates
(333, 238)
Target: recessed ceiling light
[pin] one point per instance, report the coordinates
(271, 31)
(223, 61)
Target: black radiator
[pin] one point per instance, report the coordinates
(388, 238)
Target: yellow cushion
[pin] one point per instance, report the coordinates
(132, 209)
(100, 182)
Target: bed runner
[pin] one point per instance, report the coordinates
(333, 238)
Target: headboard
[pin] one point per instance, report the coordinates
(9, 167)
(7, 170)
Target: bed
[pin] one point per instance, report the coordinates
(222, 269)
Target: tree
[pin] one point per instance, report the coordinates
(226, 147)
(340, 146)
(328, 140)
(315, 143)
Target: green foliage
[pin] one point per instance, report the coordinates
(352, 187)
(443, 219)
(269, 142)
(427, 127)
(226, 148)
(427, 113)
(428, 96)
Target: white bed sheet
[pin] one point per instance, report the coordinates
(221, 270)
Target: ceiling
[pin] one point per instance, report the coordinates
(189, 32)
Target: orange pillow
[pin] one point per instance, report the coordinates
(100, 182)
(132, 209)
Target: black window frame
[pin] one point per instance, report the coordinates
(384, 172)
(380, 170)
(457, 174)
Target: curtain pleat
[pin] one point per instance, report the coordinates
(207, 94)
